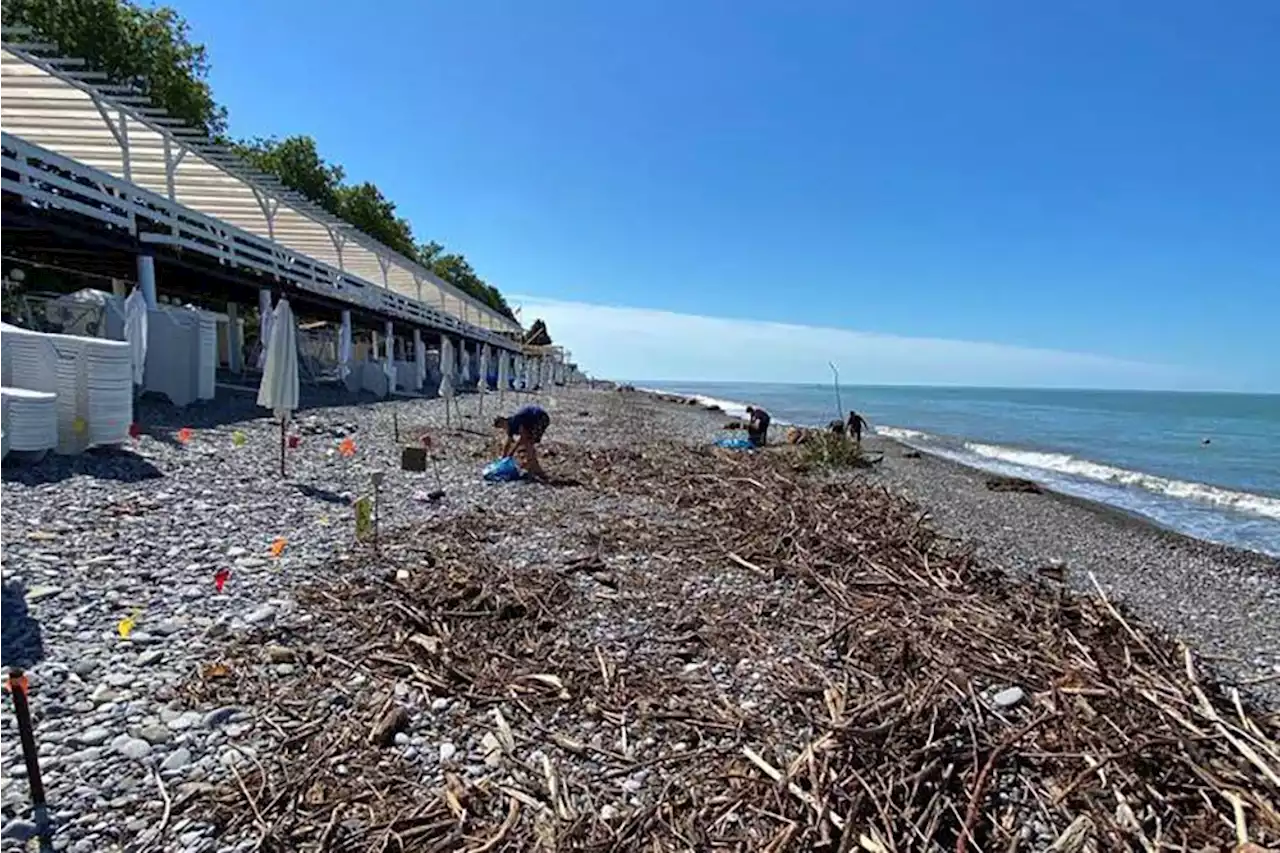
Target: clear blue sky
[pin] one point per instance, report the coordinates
(1095, 177)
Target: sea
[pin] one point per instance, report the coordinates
(1204, 464)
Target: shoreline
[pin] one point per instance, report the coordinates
(1045, 483)
(1224, 600)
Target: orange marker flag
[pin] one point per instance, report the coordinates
(277, 547)
(347, 447)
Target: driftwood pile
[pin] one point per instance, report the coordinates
(696, 651)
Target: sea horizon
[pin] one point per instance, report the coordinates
(1202, 463)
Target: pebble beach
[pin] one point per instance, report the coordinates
(162, 701)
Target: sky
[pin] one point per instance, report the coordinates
(986, 192)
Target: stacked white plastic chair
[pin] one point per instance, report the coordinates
(182, 354)
(30, 420)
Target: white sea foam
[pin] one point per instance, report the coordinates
(1063, 463)
(732, 408)
(901, 433)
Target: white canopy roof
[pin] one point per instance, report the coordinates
(78, 115)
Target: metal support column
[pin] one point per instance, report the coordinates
(147, 278)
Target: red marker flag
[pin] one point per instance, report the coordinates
(294, 441)
(184, 435)
(135, 430)
(220, 578)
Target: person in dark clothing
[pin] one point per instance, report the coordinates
(757, 426)
(524, 430)
(856, 424)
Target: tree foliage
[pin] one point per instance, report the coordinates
(146, 47)
(151, 49)
(296, 161)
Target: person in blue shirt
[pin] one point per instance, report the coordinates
(524, 430)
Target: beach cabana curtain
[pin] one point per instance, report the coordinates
(420, 358)
(345, 346)
(135, 332)
(446, 368)
(264, 326)
(503, 359)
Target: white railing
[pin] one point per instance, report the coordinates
(47, 179)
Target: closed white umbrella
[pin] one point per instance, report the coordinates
(279, 389)
(484, 368)
(135, 332)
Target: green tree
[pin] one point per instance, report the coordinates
(147, 47)
(298, 165)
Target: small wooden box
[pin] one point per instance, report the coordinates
(413, 459)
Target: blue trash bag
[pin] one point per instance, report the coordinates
(504, 470)
(734, 444)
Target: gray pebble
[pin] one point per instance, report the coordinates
(134, 748)
(93, 736)
(218, 717)
(177, 759)
(1008, 697)
(150, 656)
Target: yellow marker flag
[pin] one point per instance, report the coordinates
(79, 426)
(364, 517)
(125, 625)
(237, 439)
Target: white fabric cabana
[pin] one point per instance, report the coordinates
(345, 346)
(264, 326)
(135, 332)
(446, 369)
(419, 358)
(279, 388)
(503, 359)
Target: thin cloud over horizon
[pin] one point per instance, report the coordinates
(639, 343)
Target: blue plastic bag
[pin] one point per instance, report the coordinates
(734, 444)
(504, 470)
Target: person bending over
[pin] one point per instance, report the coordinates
(757, 426)
(524, 430)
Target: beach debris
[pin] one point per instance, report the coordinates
(1013, 484)
(833, 675)
(220, 578)
(364, 516)
(126, 625)
(394, 721)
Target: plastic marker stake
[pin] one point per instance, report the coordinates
(184, 435)
(237, 439)
(125, 626)
(364, 517)
(347, 447)
(294, 441)
(220, 578)
(277, 547)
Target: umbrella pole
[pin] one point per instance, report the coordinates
(282, 448)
